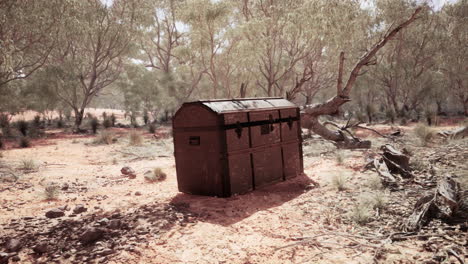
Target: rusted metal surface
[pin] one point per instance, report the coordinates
(226, 147)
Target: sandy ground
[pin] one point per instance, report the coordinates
(269, 225)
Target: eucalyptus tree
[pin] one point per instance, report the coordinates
(453, 49)
(92, 45)
(28, 31)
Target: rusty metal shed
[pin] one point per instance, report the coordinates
(227, 147)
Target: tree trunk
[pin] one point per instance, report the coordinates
(79, 114)
(333, 105)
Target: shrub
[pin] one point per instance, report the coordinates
(107, 123)
(113, 119)
(104, 115)
(94, 124)
(51, 192)
(339, 182)
(60, 123)
(4, 120)
(424, 133)
(152, 128)
(361, 213)
(135, 138)
(105, 137)
(22, 126)
(156, 175)
(89, 116)
(28, 165)
(24, 142)
(37, 120)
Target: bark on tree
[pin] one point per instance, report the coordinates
(332, 106)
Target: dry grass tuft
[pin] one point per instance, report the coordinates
(105, 137)
(135, 138)
(28, 165)
(424, 133)
(51, 192)
(339, 182)
(361, 214)
(156, 175)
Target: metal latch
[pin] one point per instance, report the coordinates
(238, 129)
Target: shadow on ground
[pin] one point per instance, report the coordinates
(227, 211)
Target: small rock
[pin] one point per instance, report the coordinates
(137, 193)
(79, 208)
(54, 213)
(114, 224)
(92, 234)
(128, 172)
(103, 221)
(65, 186)
(40, 248)
(14, 245)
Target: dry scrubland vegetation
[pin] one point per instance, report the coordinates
(382, 86)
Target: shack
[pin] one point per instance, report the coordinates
(227, 147)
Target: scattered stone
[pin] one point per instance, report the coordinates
(114, 224)
(103, 221)
(79, 208)
(14, 245)
(41, 248)
(137, 193)
(129, 172)
(65, 187)
(92, 234)
(54, 213)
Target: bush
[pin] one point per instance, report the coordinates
(152, 128)
(28, 165)
(107, 123)
(22, 126)
(361, 213)
(339, 182)
(104, 115)
(51, 192)
(135, 138)
(4, 120)
(24, 142)
(424, 133)
(60, 123)
(375, 200)
(155, 176)
(94, 123)
(105, 137)
(37, 120)
(113, 119)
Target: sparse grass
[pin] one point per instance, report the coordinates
(156, 175)
(114, 161)
(418, 165)
(75, 141)
(24, 142)
(28, 165)
(424, 133)
(374, 183)
(51, 192)
(135, 138)
(340, 157)
(339, 182)
(360, 214)
(375, 200)
(104, 137)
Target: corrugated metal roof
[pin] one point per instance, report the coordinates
(244, 104)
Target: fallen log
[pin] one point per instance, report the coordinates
(458, 133)
(442, 204)
(396, 161)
